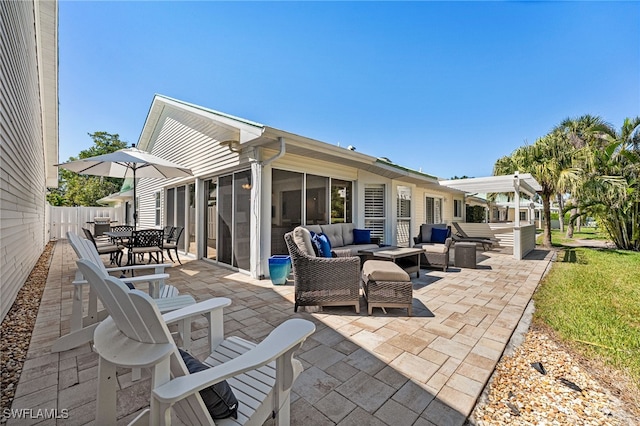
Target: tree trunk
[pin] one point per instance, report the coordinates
(560, 207)
(546, 205)
(570, 225)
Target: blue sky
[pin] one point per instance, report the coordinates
(446, 87)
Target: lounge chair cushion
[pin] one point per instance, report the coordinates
(219, 398)
(302, 238)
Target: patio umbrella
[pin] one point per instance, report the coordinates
(128, 162)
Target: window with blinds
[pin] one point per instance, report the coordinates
(403, 213)
(374, 210)
(157, 208)
(433, 213)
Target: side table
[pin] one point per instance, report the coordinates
(465, 255)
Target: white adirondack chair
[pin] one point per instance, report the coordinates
(136, 336)
(82, 327)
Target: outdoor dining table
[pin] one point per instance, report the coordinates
(118, 235)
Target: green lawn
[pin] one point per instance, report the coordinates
(559, 238)
(592, 299)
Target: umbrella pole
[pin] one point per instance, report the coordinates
(135, 206)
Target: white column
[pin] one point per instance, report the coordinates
(255, 257)
(517, 240)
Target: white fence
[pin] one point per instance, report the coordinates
(65, 219)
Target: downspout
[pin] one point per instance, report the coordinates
(257, 188)
(279, 155)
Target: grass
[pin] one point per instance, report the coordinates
(558, 238)
(591, 298)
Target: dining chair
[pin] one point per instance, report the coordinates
(146, 241)
(113, 250)
(173, 241)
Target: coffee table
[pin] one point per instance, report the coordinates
(395, 253)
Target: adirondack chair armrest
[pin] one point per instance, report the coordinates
(212, 309)
(145, 278)
(286, 337)
(199, 308)
(159, 267)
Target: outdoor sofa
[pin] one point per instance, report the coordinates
(344, 238)
(435, 245)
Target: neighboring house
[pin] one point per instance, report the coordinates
(29, 149)
(252, 183)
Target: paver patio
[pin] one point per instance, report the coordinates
(384, 369)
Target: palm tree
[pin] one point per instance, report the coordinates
(538, 159)
(580, 136)
(611, 184)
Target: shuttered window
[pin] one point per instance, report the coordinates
(433, 213)
(374, 210)
(157, 200)
(403, 213)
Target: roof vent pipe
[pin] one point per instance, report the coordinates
(278, 155)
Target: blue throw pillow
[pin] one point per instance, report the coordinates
(361, 236)
(439, 235)
(315, 242)
(325, 246)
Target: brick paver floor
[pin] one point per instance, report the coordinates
(384, 369)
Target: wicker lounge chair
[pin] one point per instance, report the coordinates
(321, 281)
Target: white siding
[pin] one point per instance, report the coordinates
(180, 139)
(23, 153)
(296, 163)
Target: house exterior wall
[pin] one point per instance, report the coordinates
(178, 139)
(191, 136)
(29, 119)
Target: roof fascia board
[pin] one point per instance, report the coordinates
(46, 25)
(365, 159)
(273, 134)
(250, 127)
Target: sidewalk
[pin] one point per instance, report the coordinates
(384, 369)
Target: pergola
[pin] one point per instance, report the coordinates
(517, 183)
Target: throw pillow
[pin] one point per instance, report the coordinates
(131, 286)
(439, 235)
(325, 246)
(219, 398)
(361, 236)
(315, 242)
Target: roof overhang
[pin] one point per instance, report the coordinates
(312, 148)
(117, 197)
(238, 130)
(239, 134)
(46, 22)
(517, 182)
